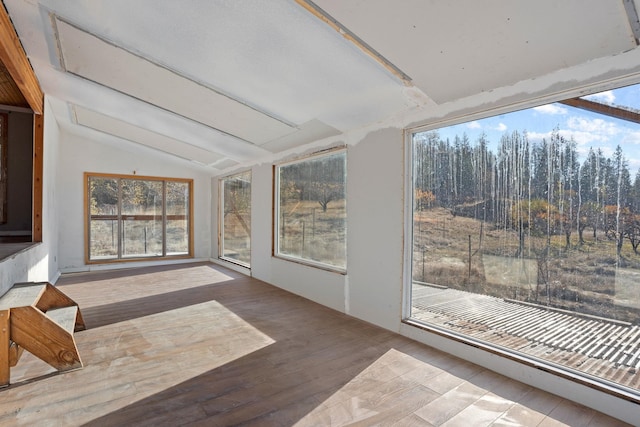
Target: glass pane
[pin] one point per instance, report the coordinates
(103, 239)
(141, 218)
(127, 218)
(177, 218)
(141, 238)
(312, 211)
(177, 237)
(236, 227)
(141, 197)
(103, 196)
(103, 211)
(177, 198)
(526, 234)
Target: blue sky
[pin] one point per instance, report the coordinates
(587, 129)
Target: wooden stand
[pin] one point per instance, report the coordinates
(39, 318)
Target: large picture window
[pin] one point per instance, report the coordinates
(235, 218)
(526, 234)
(311, 211)
(131, 217)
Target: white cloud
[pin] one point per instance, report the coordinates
(474, 125)
(501, 127)
(602, 129)
(631, 138)
(634, 165)
(607, 97)
(551, 109)
(585, 133)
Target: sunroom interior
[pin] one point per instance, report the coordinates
(463, 175)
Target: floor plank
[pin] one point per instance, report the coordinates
(197, 344)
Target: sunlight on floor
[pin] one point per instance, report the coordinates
(376, 390)
(136, 359)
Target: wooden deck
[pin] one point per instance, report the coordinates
(599, 347)
(197, 344)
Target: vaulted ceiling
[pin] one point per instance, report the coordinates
(223, 82)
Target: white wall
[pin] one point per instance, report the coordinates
(324, 287)
(372, 288)
(108, 155)
(375, 227)
(50, 212)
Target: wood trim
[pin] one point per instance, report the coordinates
(597, 107)
(15, 60)
(142, 177)
(172, 217)
(85, 206)
(88, 217)
(323, 16)
(4, 348)
(38, 171)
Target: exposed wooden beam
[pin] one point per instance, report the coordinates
(15, 60)
(322, 15)
(597, 107)
(38, 171)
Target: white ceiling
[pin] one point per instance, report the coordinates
(222, 82)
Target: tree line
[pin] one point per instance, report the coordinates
(321, 180)
(538, 188)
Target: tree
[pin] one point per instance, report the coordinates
(615, 220)
(423, 199)
(104, 195)
(237, 199)
(536, 216)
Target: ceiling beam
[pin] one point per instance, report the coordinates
(15, 60)
(323, 16)
(597, 107)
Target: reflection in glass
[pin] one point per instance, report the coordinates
(132, 217)
(236, 218)
(526, 234)
(312, 216)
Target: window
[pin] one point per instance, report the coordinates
(131, 217)
(4, 140)
(526, 234)
(311, 211)
(235, 218)
(20, 179)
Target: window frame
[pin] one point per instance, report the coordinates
(4, 141)
(221, 207)
(275, 249)
(119, 258)
(592, 381)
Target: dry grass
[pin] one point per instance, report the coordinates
(312, 234)
(467, 254)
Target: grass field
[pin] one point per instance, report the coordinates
(140, 238)
(468, 254)
(305, 231)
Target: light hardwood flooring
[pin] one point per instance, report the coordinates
(197, 344)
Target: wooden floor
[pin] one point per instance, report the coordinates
(198, 344)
